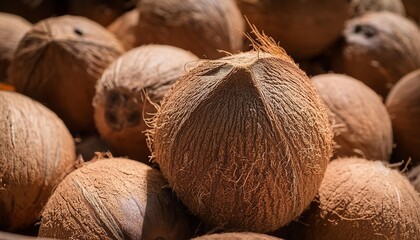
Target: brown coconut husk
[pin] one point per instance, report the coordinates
(414, 176)
(413, 9)
(115, 199)
(236, 236)
(361, 7)
(125, 27)
(58, 63)
(36, 152)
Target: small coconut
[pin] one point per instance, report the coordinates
(414, 177)
(361, 199)
(12, 29)
(413, 9)
(125, 27)
(360, 120)
(403, 105)
(115, 199)
(36, 152)
(200, 26)
(58, 63)
(236, 236)
(360, 7)
(378, 49)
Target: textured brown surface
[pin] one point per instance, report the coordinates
(58, 63)
(403, 105)
(125, 27)
(379, 49)
(237, 236)
(200, 26)
(413, 9)
(36, 151)
(361, 199)
(360, 7)
(361, 124)
(414, 177)
(120, 101)
(115, 199)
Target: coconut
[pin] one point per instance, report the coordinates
(12, 29)
(254, 126)
(127, 91)
(372, 43)
(200, 26)
(304, 28)
(58, 63)
(125, 27)
(115, 199)
(414, 177)
(36, 152)
(403, 105)
(237, 236)
(361, 199)
(413, 9)
(360, 120)
(360, 7)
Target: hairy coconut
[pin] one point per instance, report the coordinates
(58, 63)
(36, 152)
(125, 27)
(304, 28)
(89, 146)
(120, 102)
(115, 199)
(413, 9)
(414, 177)
(403, 103)
(236, 236)
(254, 126)
(12, 29)
(378, 49)
(360, 120)
(360, 7)
(33, 10)
(361, 199)
(200, 26)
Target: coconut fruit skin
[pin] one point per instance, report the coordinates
(36, 152)
(115, 199)
(125, 27)
(58, 63)
(403, 104)
(254, 126)
(372, 43)
(360, 7)
(361, 124)
(200, 26)
(362, 199)
(121, 104)
(236, 236)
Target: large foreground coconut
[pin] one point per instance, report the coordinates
(413, 9)
(403, 105)
(237, 236)
(125, 27)
(360, 7)
(36, 152)
(200, 26)
(127, 90)
(378, 49)
(244, 140)
(58, 63)
(360, 120)
(115, 199)
(361, 199)
(305, 28)
(414, 177)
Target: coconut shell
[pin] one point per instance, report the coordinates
(115, 199)
(236, 236)
(361, 199)
(414, 177)
(36, 152)
(200, 26)
(125, 27)
(403, 105)
(413, 9)
(378, 49)
(58, 63)
(362, 126)
(360, 7)
(12, 29)
(304, 28)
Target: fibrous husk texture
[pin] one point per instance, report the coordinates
(236, 236)
(58, 63)
(115, 199)
(12, 29)
(36, 152)
(200, 26)
(403, 105)
(361, 124)
(413, 9)
(360, 7)
(128, 90)
(244, 140)
(125, 27)
(361, 199)
(372, 43)
(414, 177)
(304, 28)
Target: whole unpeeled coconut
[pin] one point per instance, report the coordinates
(201, 26)
(360, 120)
(125, 27)
(378, 49)
(244, 140)
(360, 7)
(361, 199)
(413, 9)
(128, 90)
(403, 105)
(305, 28)
(58, 63)
(236, 236)
(36, 152)
(115, 199)
(414, 177)
(12, 29)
